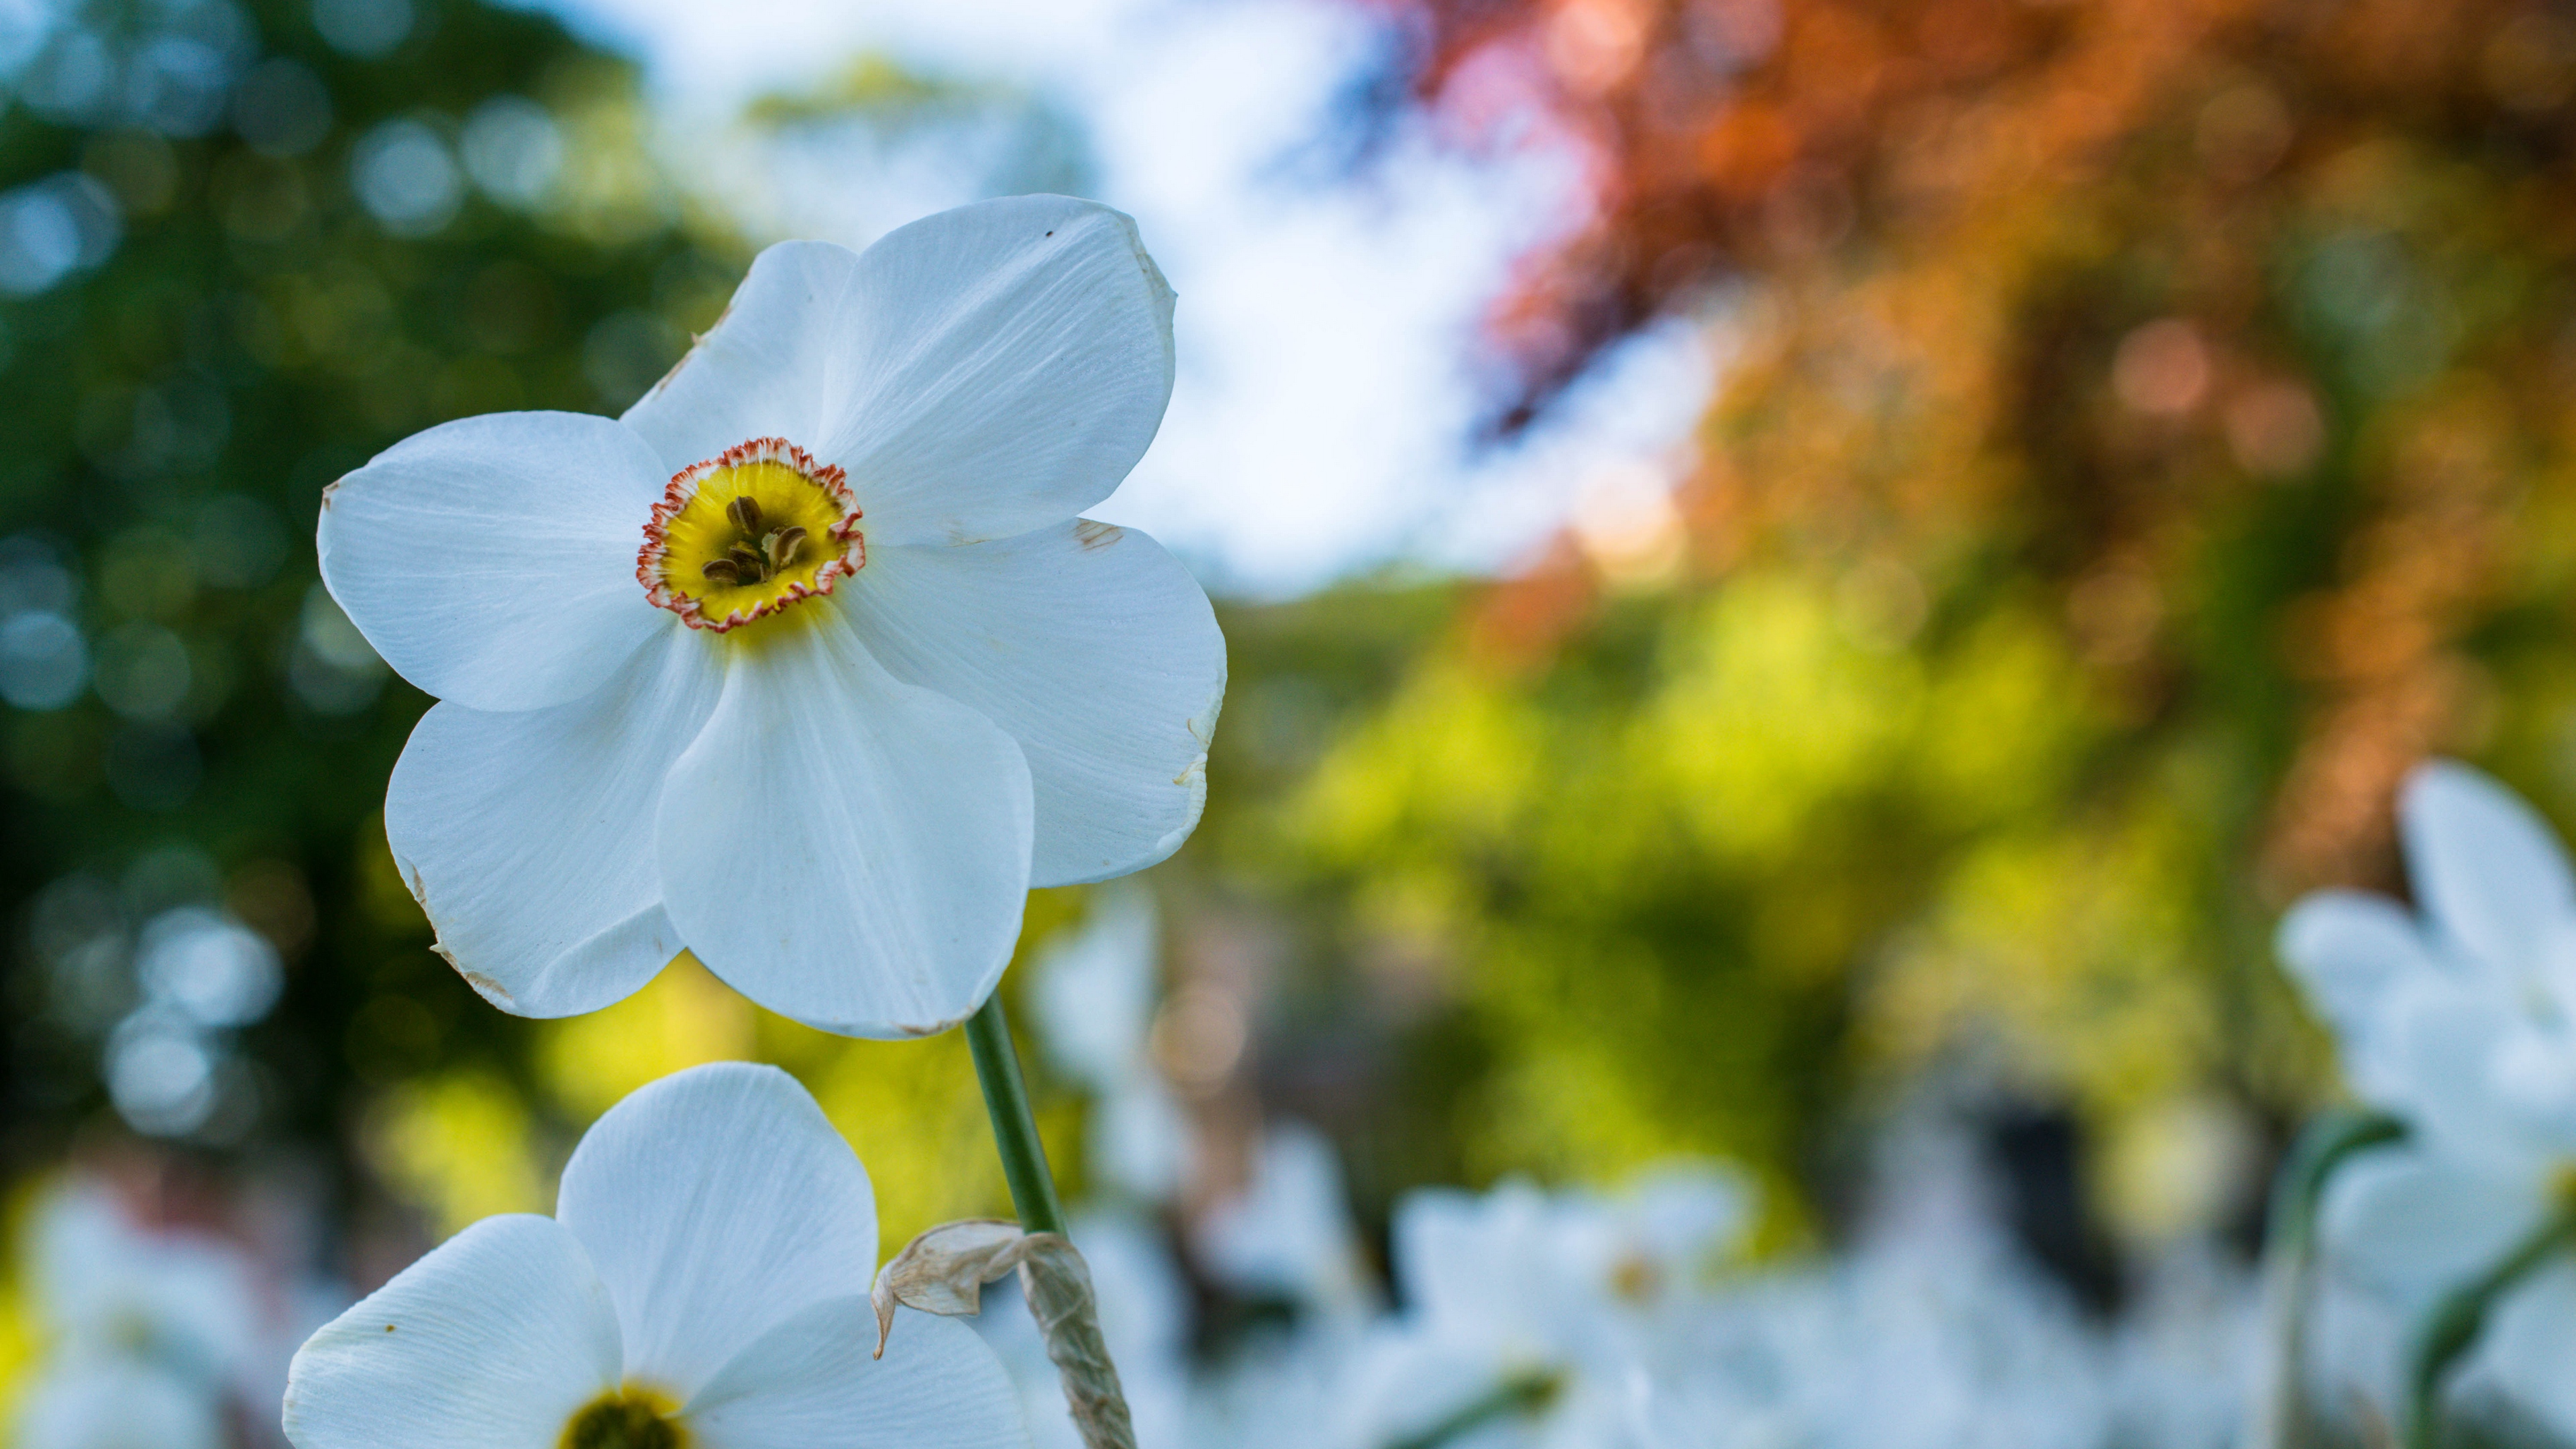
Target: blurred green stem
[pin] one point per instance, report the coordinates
(2289, 1255)
(1015, 1128)
(1520, 1394)
(2453, 1326)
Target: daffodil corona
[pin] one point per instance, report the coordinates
(808, 664)
(749, 532)
(703, 1285)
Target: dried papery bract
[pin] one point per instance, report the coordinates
(944, 1271)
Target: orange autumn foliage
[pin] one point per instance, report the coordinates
(2235, 328)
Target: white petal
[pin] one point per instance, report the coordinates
(1470, 1264)
(2449, 1054)
(2526, 1345)
(2349, 950)
(493, 1341)
(1095, 649)
(491, 560)
(843, 848)
(1409, 1378)
(1685, 1212)
(2414, 1225)
(716, 1202)
(2345, 947)
(2486, 866)
(812, 1384)
(997, 368)
(527, 836)
(760, 372)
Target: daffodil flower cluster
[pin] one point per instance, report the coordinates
(1533, 1318)
(1568, 1318)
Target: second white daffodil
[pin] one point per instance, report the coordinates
(704, 1281)
(807, 664)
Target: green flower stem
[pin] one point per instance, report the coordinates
(1057, 1284)
(1520, 1394)
(1015, 1129)
(2289, 1256)
(2453, 1326)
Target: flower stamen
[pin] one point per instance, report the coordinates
(624, 1419)
(735, 538)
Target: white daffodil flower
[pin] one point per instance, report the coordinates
(704, 1281)
(2460, 1020)
(1289, 1235)
(1529, 1315)
(184, 1303)
(807, 664)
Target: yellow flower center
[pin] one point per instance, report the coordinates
(1634, 1278)
(627, 1418)
(747, 533)
(2562, 1186)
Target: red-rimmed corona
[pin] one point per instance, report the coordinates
(748, 532)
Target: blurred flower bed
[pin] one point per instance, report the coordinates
(1815, 918)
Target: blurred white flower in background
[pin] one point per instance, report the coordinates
(117, 1404)
(2460, 1020)
(152, 1335)
(706, 1274)
(1935, 1330)
(1289, 1234)
(1528, 1314)
(1572, 1318)
(107, 1288)
(1095, 993)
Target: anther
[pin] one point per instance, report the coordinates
(745, 513)
(782, 546)
(721, 571)
(748, 562)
